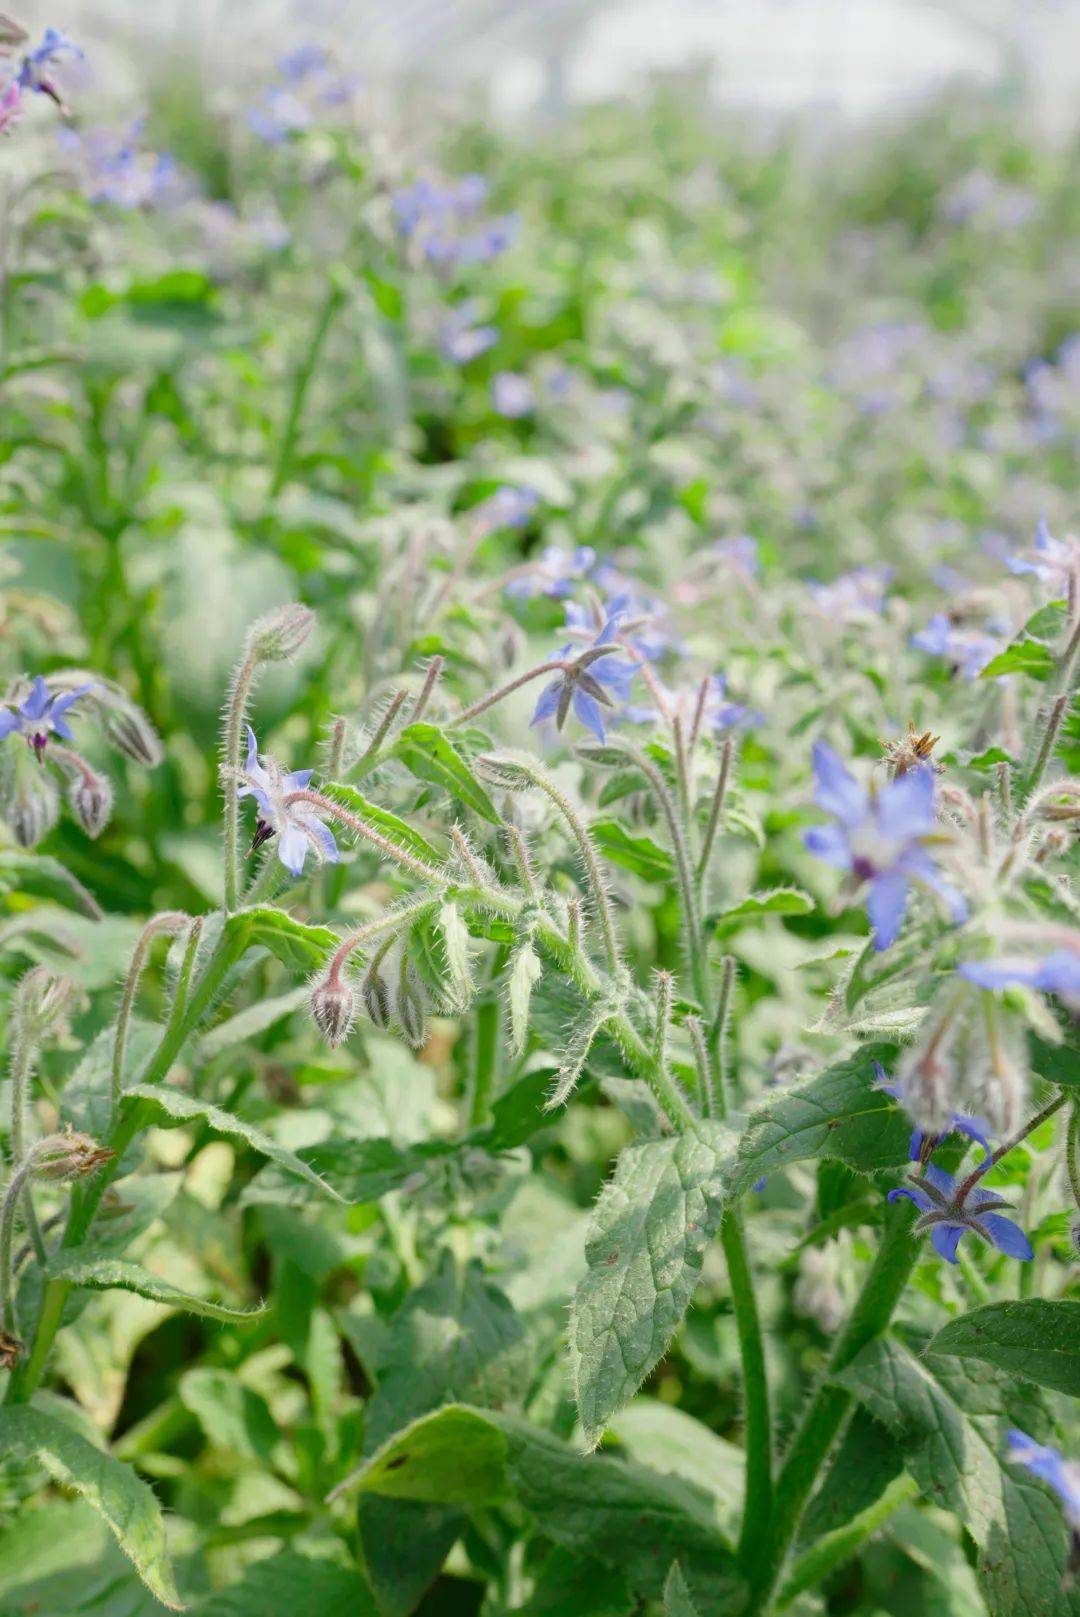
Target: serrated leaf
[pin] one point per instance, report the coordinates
(644, 1252)
(780, 901)
(634, 852)
(951, 1418)
(838, 1114)
(1036, 1338)
(126, 1503)
(95, 1273)
(430, 755)
(169, 1108)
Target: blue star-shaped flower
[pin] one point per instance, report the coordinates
(881, 839)
(40, 715)
(1056, 973)
(934, 1193)
(587, 683)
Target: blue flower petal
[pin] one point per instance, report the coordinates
(946, 1239)
(829, 842)
(1007, 1236)
(588, 711)
(548, 705)
(835, 790)
(906, 807)
(885, 905)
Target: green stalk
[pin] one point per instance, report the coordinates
(485, 1057)
(827, 1409)
(840, 1545)
(324, 319)
(757, 1420)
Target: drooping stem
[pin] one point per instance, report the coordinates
(392, 850)
(169, 921)
(551, 669)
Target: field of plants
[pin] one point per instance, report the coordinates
(539, 790)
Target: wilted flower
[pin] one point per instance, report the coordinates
(881, 838)
(969, 650)
(68, 1156)
(587, 682)
(913, 751)
(40, 715)
(1056, 973)
(948, 1216)
(298, 826)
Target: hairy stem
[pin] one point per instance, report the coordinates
(169, 921)
(727, 754)
(232, 752)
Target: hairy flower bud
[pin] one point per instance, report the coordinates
(131, 732)
(280, 634)
(376, 998)
(31, 801)
(68, 1156)
(410, 1008)
(41, 1003)
(333, 1006)
(90, 799)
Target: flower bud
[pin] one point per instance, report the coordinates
(280, 634)
(90, 799)
(68, 1156)
(411, 1010)
(41, 1003)
(31, 801)
(131, 732)
(503, 769)
(376, 998)
(333, 1006)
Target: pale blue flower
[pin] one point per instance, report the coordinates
(1052, 1467)
(1056, 973)
(591, 680)
(298, 826)
(512, 395)
(40, 715)
(968, 650)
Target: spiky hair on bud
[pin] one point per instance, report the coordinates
(410, 1009)
(41, 1003)
(70, 1155)
(280, 634)
(123, 722)
(30, 803)
(333, 1007)
(90, 798)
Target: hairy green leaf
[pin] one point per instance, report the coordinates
(430, 755)
(83, 1269)
(1036, 1338)
(632, 851)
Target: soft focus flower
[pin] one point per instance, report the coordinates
(1056, 973)
(298, 826)
(11, 106)
(934, 1193)
(858, 594)
(589, 682)
(922, 1144)
(705, 705)
(880, 838)
(1053, 561)
(461, 339)
(1042, 1461)
(279, 114)
(512, 395)
(440, 217)
(506, 508)
(35, 68)
(969, 650)
(553, 573)
(740, 554)
(40, 715)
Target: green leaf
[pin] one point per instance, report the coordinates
(1048, 622)
(1024, 656)
(573, 1586)
(354, 1170)
(430, 755)
(780, 901)
(1036, 1338)
(951, 1419)
(838, 1114)
(253, 1020)
(44, 877)
(128, 1506)
(867, 1460)
(169, 1108)
(611, 1510)
(232, 1416)
(288, 1584)
(677, 1601)
(94, 1273)
(639, 854)
(297, 945)
(381, 819)
(644, 1251)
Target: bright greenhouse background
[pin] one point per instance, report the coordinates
(539, 807)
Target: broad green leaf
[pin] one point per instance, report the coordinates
(867, 1460)
(1036, 1338)
(169, 1108)
(89, 1272)
(288, 1585)
(430, 755)
(1024, 656)
(296, 944)
(780, 901)
(573, 1586)
(596, 1506)
(1060, 1063)
(645, 1248)
(665, 1438)
(58, 1556)
(677, 1601)
(632, 851)
(382, 820)
(353, 1170)
(44, 877)
(838, 1114)
(1048, 623)
(951, 1419)
(127, 1504)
